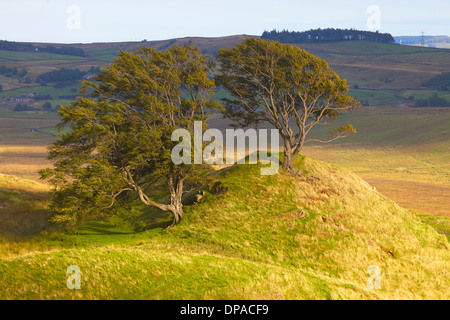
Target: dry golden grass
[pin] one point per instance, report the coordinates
(24, 186)
(23, 160)
(427, 197)
(414, 177)
(22, 206)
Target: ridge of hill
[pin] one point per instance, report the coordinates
(440, 41)
(377, 73)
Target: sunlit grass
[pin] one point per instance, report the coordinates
(248, 243)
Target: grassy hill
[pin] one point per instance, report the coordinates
(264, 237)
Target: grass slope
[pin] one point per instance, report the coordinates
(250, 242)
(22, 206)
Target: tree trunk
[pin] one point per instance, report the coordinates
(290, 153)
(176, 194)
(288, 161)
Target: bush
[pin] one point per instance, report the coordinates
(433, 101)
(43, 97)
(60, 85)
(24, 107)
(67, 97)
(440, 82)
(47, 106)
(61, 75)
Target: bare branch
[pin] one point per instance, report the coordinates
(327, 141)
(114, 196)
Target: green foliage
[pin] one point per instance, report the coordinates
(12, 72)
(284, 85)
(120, 143)
(433, 101)
(28, 47)
(47, 106)
(344, 129)
(61, 75)
(24, 107)
(327, 35)
(441, 82)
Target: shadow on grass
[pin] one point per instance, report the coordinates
(103, 228)
(158, 224)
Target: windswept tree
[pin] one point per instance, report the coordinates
(285, 86)
(119, 143)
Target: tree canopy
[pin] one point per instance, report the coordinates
(119, 146)
(285, 86)
(327, 35)
(64, 75)
(441, 81)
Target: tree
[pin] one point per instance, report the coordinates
(285, 86)
(47, 106)
(327, 35)
(119, 146)
(24, 107)
(1, 88)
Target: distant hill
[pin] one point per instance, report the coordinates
(429, 41)
(378, 74)
(28, 47)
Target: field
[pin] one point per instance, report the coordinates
(383, 74)
(405, 154)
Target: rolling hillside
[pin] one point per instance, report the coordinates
(263, 237)
(378, 74)
(429, 41)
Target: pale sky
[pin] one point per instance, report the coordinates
(86, 21)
